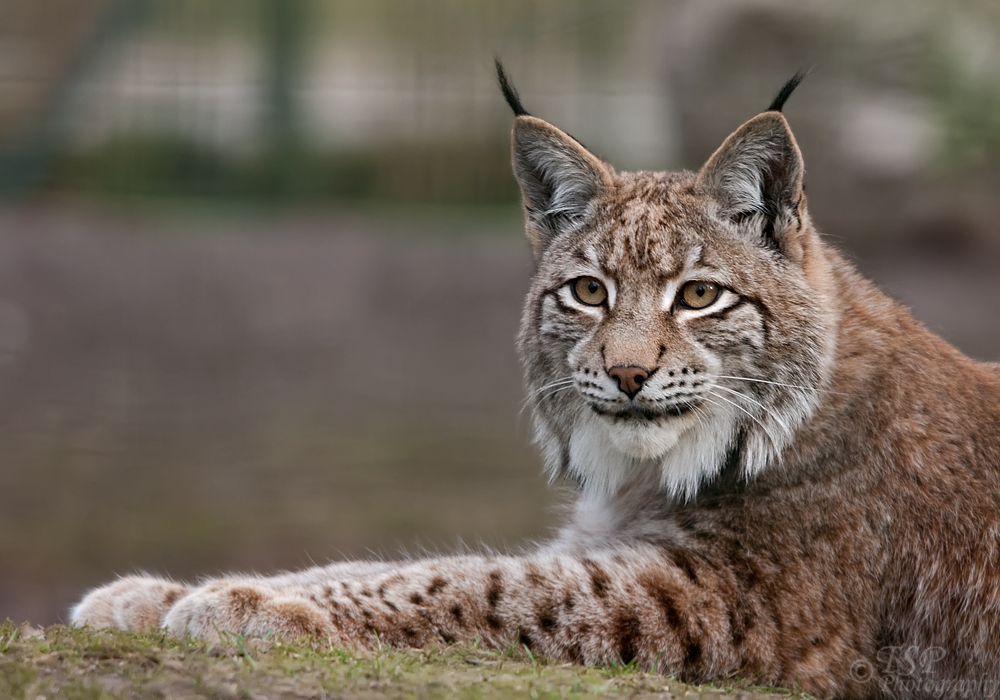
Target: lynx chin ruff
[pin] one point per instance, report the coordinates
(781, 473)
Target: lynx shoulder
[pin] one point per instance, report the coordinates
(780, 473)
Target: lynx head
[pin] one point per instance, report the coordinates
(676, 323)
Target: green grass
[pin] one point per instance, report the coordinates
(94, 664)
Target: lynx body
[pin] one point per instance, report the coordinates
(781, 473)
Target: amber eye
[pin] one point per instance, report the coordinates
(589, 291)
(698, 295)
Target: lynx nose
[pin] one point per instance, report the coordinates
(630, 379)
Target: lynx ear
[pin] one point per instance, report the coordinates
(558, 178)
(756, 177)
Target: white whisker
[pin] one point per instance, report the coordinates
(699, 417)
(554, 392)
(539, 390)
(762, 407)
(539, 399)
(752, 416)
(790, 386)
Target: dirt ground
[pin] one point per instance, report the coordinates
(196, 391)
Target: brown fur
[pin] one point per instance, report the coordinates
(833, 526)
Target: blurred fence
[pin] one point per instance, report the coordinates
(328, 99)
(277, 97)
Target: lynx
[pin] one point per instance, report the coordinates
(780, 473)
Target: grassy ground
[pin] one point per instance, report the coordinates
(88, 664)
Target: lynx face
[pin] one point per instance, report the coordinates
(673, 318)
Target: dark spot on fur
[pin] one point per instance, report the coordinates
(598, 578)
(493, 621)
(525, 638)
(437, 583)
(737, 631)
(303, 622)
(663, 596)
(170, 598)
(547, 622)
(739, 625)
(366, 593)
(575, 653)
(409, 632)
(768, 234)
(533, 576)
(685, 563)
(448, 638)
(693, 654)
(245, 600)
(569, 602)
(388, 603)
(534, 580)
(366, 614)
(627, 635)
(416, 598)
(456, 612)
(495, 590)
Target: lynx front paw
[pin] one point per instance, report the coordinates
(130, 603)
(248, 609)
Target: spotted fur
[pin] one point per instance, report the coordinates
(806, 478)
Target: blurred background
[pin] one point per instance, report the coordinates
(261, 261)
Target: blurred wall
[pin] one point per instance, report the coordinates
(261, 263)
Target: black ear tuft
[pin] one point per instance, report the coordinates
(509, 93)
(786, 90)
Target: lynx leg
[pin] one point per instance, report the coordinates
(246, 608)
(130, 603)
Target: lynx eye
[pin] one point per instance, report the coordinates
(698, 295)
(589, 290)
